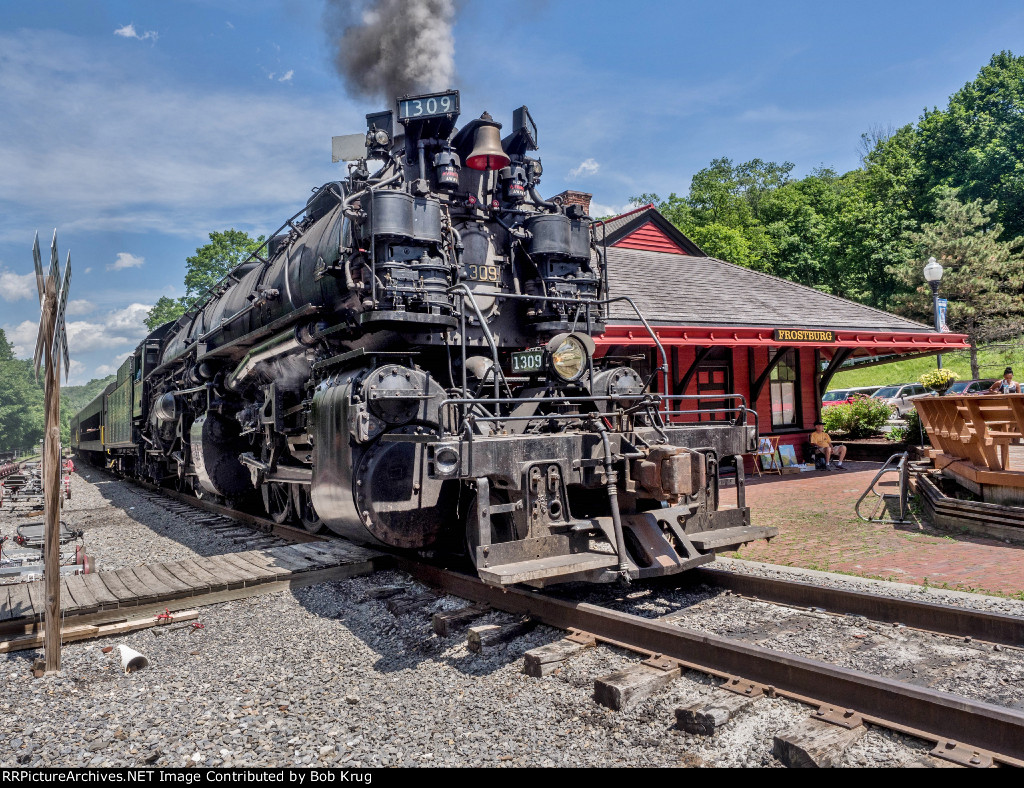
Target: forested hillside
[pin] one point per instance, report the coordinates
(21, 401)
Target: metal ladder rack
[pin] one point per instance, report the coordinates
(897, 464)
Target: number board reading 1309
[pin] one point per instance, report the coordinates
(429, 106)
(527, 361)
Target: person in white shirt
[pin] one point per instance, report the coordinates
(1007, 385)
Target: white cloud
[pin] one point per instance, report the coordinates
(87, 270)
(109, 369)
(14, 287)
(598, 209)
(128, 31)
(586, 168)
(76, 375)
(121, 328)
(131, 319)
(140, 151)
(80, 306)
(23, 337)
(125, 260)
(287, 76)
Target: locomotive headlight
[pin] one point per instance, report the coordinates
(569, 355)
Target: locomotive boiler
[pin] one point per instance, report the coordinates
(409, 362)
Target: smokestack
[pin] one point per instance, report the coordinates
(570, 197)
(390, 48)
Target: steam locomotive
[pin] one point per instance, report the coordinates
(409, 362)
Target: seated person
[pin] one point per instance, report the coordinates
(821, 441)
(1007, 385)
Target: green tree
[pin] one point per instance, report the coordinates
(981, 272)
(165, 310)
(203, 270)
(21, 401)
(976, 144)
(214, 260)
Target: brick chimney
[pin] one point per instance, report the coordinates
(570, 197)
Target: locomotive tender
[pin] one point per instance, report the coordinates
(409, 362)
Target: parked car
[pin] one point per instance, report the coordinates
(899, 396)
(971, 386)
(846, 396)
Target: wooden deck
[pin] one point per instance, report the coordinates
(192, 582)
(977, 437)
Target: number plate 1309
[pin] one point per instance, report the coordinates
(527, 361)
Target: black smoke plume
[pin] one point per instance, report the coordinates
(389, 48)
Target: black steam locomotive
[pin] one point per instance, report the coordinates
(409, 362)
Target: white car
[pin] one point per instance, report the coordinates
(899, 396)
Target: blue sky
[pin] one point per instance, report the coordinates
(136, 128)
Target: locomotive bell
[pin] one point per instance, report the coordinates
(487, 151)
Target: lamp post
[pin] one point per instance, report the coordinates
(933, 275)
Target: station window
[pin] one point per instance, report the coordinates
(784, 381)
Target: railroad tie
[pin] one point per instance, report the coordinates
(545, 660)
(818, 741)
(706, 715)
(485, 637)
(632, 684)
(447, 622)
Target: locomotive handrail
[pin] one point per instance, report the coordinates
(641, 402)
(598, 302)
(499, 375)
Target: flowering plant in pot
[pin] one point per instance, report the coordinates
(939, 380)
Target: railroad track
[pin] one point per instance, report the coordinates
(964, 731)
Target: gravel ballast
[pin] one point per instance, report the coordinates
(327, 675)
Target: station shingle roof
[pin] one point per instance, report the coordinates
(672, 289)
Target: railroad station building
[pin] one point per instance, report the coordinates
(730, 330)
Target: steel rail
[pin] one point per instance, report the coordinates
(917, 711)
(262, 523)
(930, 616)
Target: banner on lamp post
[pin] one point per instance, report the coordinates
(942, 315)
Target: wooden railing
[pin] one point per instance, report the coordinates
(975, 431)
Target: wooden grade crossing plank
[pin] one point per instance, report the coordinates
(314, 552)
(225, 569)
(153, 583)
(170, 580)
(99, 591)
(289, 553)
(193, 567)
(257, 573)
(21, 604)
(114, 585)
(95, 596)
(184, 574)
(37, 596)
(139, 591)
(277, 560)
(258, 559)
(75, 587)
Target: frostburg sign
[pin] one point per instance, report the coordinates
(804, 335)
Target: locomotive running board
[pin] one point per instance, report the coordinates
(541, 568)
(731, 537)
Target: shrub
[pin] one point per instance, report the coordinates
(912, 432)
(860, 419)
(939, 379)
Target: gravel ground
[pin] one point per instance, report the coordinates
(921, 593)
(326, 675)
(123, 528)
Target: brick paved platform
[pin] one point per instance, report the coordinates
(819, 530)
